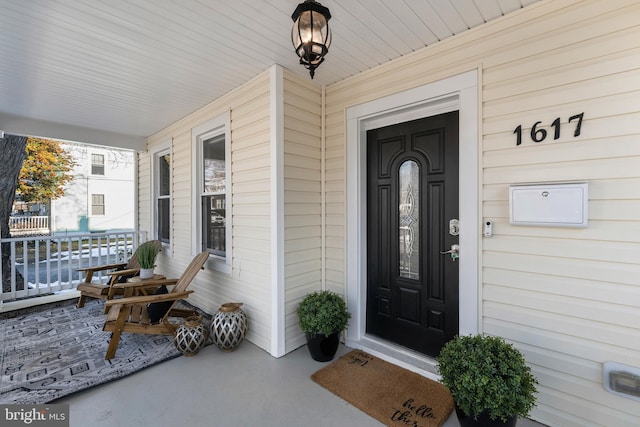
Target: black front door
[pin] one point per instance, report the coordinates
(412, 198)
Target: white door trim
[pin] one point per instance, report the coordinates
(460, 93)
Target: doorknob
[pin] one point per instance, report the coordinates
(454, 252)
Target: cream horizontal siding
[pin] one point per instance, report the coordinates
(144, 194)
(590, 65)
(302, 198)
(579, 326)
(568, 298)
(181, 202)
(334, 201)
(249, 281)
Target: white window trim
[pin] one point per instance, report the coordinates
(454, 93)
(217, 126)
(104, 164)
(164, 147)
(91, 205)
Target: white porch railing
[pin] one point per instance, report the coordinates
(28, 225)
(49, 264)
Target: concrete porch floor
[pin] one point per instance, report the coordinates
(247, 387)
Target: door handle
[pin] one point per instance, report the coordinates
(454, 252)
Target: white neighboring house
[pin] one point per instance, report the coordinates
(102, 195)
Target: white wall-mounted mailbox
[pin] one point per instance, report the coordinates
(550, 205)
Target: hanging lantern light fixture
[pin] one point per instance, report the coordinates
(310, 35)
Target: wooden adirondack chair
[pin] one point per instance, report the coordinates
(106, 291)
(132, 314)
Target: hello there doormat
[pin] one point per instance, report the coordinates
(389, 393)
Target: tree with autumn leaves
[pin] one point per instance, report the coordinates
(37, 169)
(45, 171)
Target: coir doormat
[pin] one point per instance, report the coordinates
(389, 393)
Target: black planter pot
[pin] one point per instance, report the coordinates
(322, 347)
(484, 420)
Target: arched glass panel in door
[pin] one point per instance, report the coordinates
(409, 215)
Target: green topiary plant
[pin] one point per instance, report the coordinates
(146, 254)
(485, 374)
(323, 312)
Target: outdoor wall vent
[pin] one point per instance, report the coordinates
(622, 380)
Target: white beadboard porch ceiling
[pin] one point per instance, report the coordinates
(133, 67)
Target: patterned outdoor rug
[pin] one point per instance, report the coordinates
(389, 393)
(53, 350)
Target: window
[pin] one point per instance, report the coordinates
(97, 164)
(213, 195)
(163, 197)
(212, 228)
(97, 204)
(409, 220)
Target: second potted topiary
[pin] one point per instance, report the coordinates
(489, 380)
(322, 316)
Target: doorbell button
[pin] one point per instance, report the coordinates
(488, 229)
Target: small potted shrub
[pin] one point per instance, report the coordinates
(322, 316)
(146, 255)
(489, 380)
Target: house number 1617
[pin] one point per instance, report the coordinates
(539, 134)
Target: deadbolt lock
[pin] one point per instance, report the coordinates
(454, 227)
